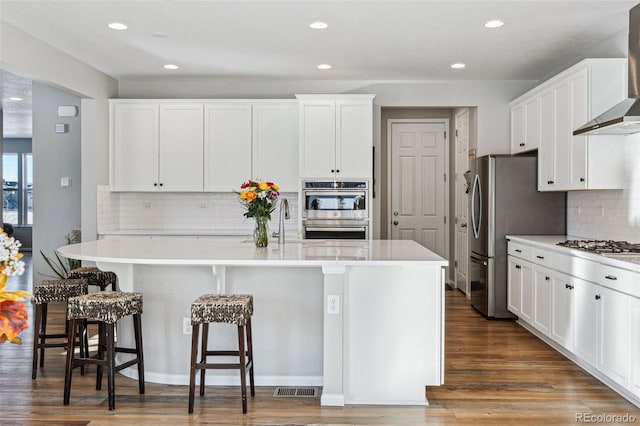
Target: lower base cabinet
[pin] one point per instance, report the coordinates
(561, 298)
(584, 320)
(635, 348)
(614, 328)
(542, 288)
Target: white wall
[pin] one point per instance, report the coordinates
(29, 57)
(56, 209)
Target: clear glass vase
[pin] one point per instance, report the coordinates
(261, 232)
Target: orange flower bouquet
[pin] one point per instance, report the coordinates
(13, 310)
(259, 198)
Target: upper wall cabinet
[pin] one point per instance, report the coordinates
(336, 136)
(565, 102)
(155, 146)
(525, 125)
(209, 146)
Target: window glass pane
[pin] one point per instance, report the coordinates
(28, 188)
(10, 188)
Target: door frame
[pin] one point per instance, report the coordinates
(445, 182)
(467, 288)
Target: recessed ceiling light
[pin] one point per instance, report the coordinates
(117, 26)
(171, 67)
(159, 34)
(324, 67)
(15, 98)
(319, 25)
(494, 23)
(458, 65)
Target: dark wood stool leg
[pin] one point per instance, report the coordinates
(37, 318)
(43, 331)
(243, 373)
(101, 343)
(192, 369)
(69, 365)
(110, 354)
(250, 354)
(84, 351)
(203, 358)
(137, 329)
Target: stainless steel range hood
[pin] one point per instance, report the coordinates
(624, 118)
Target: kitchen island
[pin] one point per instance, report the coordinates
(362, 319)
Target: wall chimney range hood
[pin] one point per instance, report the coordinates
(624, 118)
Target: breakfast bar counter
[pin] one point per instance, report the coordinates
(362, 319)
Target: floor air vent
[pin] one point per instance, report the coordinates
(287, 392)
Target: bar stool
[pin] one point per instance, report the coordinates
(234, 309)
(43, 293)
(107, 307)
(95, 276)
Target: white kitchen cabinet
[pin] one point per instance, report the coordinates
(155, 146)
(180, 167)
(542, 296)
(227, 146)
(566, 102)
(133, 146)
(615, 326)
(561, 310)
(584, 319)
(634, 385)
(336, 136)
(275, 144)
(525, 125)
(520, 288)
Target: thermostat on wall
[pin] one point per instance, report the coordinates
(67, 111)
(61, 128)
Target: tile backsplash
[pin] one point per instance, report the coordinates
(179, 211)
(610, 215)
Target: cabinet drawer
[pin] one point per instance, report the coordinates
(520, 250)
(541, 257)
(616, 278)
(576, 266)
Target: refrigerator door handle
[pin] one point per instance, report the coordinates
(478, 260)
(476, 220)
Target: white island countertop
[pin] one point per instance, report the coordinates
(238, 252)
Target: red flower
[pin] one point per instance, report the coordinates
(13, 320)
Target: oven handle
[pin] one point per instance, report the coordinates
(343, 229)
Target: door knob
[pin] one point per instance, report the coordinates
(395, 213)
(464, 225)
(395, 222)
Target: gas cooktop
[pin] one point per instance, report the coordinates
(605, 247)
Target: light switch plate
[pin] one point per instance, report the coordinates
(61, 128)
(65, 181)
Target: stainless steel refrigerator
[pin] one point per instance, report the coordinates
(505, 200)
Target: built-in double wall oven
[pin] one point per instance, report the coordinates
(335, 210)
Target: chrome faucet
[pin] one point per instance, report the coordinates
(284, 214)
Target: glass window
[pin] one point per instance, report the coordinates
(17, 188)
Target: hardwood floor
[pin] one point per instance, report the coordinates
(496, 373)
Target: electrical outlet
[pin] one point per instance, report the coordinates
(333, 304)
(203, 205)
(146, 205)
(186, 326)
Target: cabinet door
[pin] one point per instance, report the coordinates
(181, 145)
(517, 128)
(526, 289)
(615, 330)
(531, 130)
(275, 144)
(227, 146)
(547, 145)
(317, 138)
(562, 138)
(514, 285)
(579, 88)
(134, 147)
(354, 139)
(542, 290)
(585, 320)
(561, 296)
(635, 349)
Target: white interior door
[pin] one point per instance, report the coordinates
(418, 182)
(461, 261)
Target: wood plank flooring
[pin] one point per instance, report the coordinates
(496, 374)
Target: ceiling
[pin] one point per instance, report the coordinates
(370, 40)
